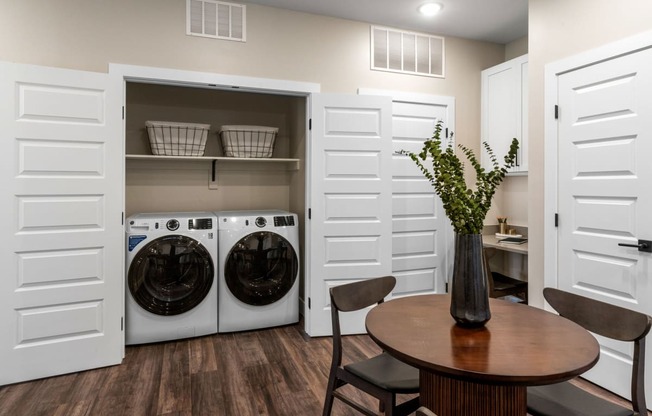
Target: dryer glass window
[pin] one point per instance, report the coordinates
(261, 268)
(171, 275)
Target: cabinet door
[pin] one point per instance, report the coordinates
(504, 104)
(350, 198)
(61, 291)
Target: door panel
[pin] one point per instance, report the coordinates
(61, 291)
(420, 229)
(350, 200)
(604, 144)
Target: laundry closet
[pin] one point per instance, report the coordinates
(241, 209)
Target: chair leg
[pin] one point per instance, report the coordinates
(389, 402)
(328, 402)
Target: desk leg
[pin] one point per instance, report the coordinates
(450, 397)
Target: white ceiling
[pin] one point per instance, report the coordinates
(499, 21)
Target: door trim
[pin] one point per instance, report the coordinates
(552, 72)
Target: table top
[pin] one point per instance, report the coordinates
(490, 240)
(520, 345)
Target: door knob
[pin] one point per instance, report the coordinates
(643, 245)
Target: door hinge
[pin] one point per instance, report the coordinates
(309, 124)
(122, 323)
(446, 288)
(556, 219)
(309, 305)
(123, 218)
(556, 112)
(309, 213)
(123, 112)
(447, 132)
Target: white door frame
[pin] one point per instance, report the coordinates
(552, 72)
(120, 74)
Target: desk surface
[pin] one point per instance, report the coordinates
(520, 345)
(491, 241)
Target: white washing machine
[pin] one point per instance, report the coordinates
(171, 288)
(259, 269)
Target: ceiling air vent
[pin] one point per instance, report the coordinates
(407, 52)
(216, 19)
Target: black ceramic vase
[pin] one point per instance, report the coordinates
(469, 292)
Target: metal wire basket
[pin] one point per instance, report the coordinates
(248, 141)
(177, 139)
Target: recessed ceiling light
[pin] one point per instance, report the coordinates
(430, 9)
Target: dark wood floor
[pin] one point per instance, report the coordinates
(275, 372)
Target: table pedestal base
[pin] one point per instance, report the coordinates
(449, 397)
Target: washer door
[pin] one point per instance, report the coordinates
(261, 268)
(171, 275)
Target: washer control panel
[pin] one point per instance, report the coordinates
(261, 222)
(172, 225)
(284, 221)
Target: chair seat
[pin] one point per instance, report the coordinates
(502, 282)
(387, 372)
(566, 399)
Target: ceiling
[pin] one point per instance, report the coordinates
(499, 21)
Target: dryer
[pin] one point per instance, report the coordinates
(171, 288)
(259, 269)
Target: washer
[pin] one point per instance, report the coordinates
(259, 269)
(171, 288)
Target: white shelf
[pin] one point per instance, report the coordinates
(293, 163)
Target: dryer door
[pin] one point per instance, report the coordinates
(171, 275)
(261, 268)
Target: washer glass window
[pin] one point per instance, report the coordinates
(261, 268)
(171, 275)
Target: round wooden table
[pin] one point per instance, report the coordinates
(482, 371)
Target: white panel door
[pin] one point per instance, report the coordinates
(61, 175)
(421, 232)
(605, 198)
(350, 228)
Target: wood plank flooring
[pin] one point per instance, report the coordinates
(274, 372)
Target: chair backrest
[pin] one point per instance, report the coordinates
(609, 321)
(352, 297)
(490, 278)
(359, 295)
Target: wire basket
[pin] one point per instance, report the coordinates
(248, 141)
(177, 139)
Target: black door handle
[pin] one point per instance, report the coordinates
(643, 245)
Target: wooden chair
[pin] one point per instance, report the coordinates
(501, 285)
(424, 411)
(609, 321)
(382, 376)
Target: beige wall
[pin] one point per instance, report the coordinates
(559, 29)
(281, 44)
(516, 48)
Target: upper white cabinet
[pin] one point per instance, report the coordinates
(504, 111)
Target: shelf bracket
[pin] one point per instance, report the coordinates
(212, 178)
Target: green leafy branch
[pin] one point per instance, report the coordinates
(465, 208)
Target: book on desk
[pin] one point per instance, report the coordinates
(512, 240)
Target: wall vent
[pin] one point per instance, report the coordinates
(216, 19)
(407, 52)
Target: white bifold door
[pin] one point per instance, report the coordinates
(605, 193)
(372, 212)
(62, 237)
(349, 199)
(422, 235)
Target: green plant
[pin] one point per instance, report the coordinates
(465, 207)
